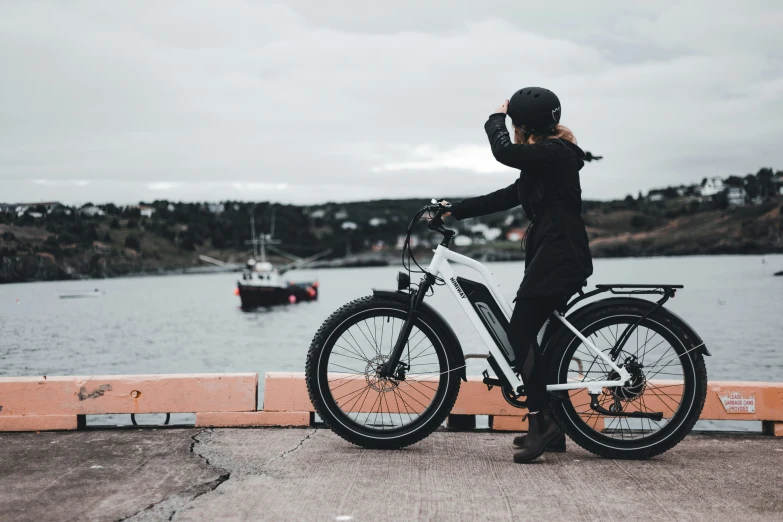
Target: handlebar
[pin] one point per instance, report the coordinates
(436, 222)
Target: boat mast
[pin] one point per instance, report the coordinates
(258, 254)
(259, 242)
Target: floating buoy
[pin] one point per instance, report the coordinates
(236, 291)
(292, 299)
(315, 284)
(311, 291)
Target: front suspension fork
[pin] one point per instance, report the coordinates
(389, 368)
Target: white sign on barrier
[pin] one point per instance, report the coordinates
(738, 403)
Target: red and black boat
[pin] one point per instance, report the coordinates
(262, 283)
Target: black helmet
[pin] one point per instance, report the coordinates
(536, 108)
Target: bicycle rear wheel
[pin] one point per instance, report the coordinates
(668, 380)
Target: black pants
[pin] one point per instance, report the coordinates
(530, 314)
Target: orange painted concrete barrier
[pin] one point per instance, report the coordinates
(252, 418)
(53, 403)
(38, 422)
(726, 400)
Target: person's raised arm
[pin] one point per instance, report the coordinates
(497, 201)
(515, 155)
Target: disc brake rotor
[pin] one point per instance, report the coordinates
(635, 386)
(379, 384)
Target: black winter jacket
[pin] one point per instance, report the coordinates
(558, 257)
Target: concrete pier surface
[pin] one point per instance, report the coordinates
(310, 474)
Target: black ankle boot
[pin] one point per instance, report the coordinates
(556, 445)
(542, 430)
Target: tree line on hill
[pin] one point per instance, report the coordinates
(109, 229)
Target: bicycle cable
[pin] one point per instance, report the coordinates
(428, 375)
(406, 247)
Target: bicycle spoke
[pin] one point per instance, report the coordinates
(349, 357)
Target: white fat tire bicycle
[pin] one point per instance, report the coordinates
(384, 371)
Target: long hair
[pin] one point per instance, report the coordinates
(558, 131)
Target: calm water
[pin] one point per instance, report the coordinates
(182, 324)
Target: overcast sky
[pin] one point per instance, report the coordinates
(314, 101)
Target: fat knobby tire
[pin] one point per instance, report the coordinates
(556, 351)
(423, 427)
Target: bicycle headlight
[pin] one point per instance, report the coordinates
(403, 281)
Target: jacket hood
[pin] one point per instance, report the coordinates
(576, 150)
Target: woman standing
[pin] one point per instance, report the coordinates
(557, 260)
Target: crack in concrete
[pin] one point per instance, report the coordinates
(195, 492)
(212, 486)
(288, 452)
(203, 489)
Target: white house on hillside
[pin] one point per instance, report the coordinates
(736, 196)
(21, 208)
(712, 187)
(91, 210)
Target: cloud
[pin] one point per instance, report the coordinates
(60, 183)
(473, 158)
(242, 186)
(349, 100)
(164, 185)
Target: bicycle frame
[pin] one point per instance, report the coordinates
(439, 266)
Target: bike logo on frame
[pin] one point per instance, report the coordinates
(459, 290)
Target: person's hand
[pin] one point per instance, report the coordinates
(503, 108)
(444, 203)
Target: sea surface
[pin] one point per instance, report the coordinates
(193, 323)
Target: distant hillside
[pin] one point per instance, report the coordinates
(44, 241)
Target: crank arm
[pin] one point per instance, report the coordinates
(656, 416)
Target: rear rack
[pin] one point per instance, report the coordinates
(637, 289)
(639, 286)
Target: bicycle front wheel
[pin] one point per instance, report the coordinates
(656, 409)
(359, 405)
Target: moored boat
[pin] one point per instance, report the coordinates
(262, 283)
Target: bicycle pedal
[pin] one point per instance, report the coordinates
(489, 381)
